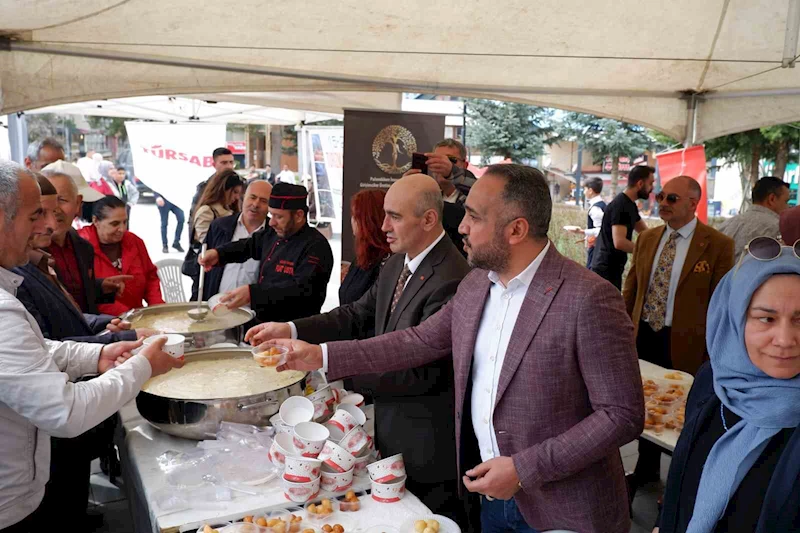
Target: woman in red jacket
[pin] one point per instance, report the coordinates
(118, 251)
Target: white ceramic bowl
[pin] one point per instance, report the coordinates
(300, 492)
(295, 410)
(301, 469)
(389, 492)
(387, 470)
(337, 481)
(337, 457)
(309, 438)
(174, 346)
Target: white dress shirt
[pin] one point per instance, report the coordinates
(240, 274)
(497, 324)
(681, 249)
(596, 214)
(38, 399)
(413, 265)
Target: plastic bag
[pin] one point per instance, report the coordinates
(245, 435)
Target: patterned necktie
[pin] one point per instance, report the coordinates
(398, 289)
(655, 302)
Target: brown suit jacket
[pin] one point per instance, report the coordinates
(709, 258)
(569, 394)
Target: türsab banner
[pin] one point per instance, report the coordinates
(172, 159)
(378, 146)
(687, 162)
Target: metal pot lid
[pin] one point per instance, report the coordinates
(220, 374)
(174, 318)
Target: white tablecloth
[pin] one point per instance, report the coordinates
(143, 444)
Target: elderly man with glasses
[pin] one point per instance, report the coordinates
(674, 271)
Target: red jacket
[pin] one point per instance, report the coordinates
(102, 187)
(145, 285)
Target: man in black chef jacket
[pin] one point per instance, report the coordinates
(296, 261)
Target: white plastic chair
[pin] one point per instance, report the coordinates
(169, 272)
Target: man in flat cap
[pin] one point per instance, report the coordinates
(296, 261)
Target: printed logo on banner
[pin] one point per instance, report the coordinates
(165, 153)
(402, 143)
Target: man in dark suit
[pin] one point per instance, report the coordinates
(540, 411)
(74, 257)
(674, 272)
(255, 205)
(413, 407)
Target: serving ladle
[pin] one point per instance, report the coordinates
(199, 313)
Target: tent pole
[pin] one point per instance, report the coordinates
(790, 38)
(691, 120)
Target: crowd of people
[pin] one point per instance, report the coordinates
(514, 368)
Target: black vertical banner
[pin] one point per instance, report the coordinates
(377, 152)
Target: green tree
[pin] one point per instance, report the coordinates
(111, 126)
(514, 131)
(606, 137)
(782, 138)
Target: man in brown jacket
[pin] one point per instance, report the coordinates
(674, 271)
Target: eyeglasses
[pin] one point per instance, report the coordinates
(671, 197)
(766, 249)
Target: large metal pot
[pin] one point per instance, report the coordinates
(199, 419)
(202, 334)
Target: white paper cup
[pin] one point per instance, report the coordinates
(389, 492)
(352, 399)
(300, 492)
(281, 448)
(336, 432)
(343, 420)
(387, 470)
(309, 438)
(174, 346)
(301, 469)
(337, 481)
(295, 410)
(336, 457)
(355, 441)
(359, 415)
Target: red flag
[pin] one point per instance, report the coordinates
(687, 162)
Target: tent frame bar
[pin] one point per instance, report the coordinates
(7, 44)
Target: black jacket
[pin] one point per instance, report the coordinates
(219, 234)
(413, 408)
(57, 317)
(780, 511)
(293, 276)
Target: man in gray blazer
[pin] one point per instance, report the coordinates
(413, 407)
(544, 398)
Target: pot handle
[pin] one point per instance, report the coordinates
(257, 405)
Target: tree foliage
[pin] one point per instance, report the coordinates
(513, 131)
(110, 126)
(606, 137)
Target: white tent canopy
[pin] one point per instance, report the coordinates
(177, 109)
(694, 70)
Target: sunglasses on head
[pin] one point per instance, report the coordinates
(767, 249)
